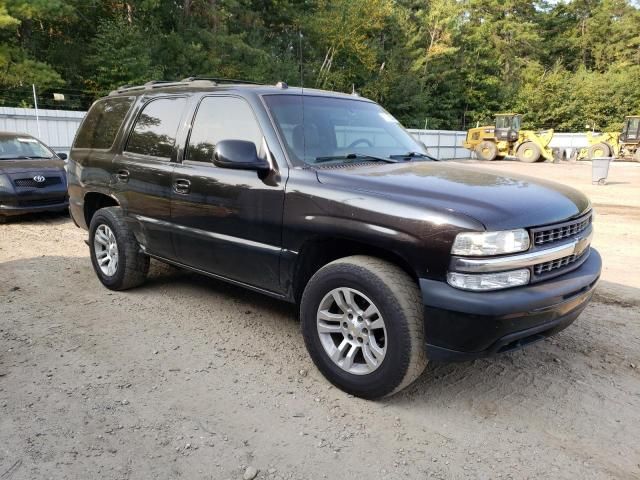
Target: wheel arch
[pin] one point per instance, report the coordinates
(319, 251)
(94, 201)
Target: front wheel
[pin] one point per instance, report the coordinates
(529, 152)
(116, 256)
(362, 321)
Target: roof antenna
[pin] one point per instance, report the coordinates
(300, 37)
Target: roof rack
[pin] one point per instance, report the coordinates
(220, 80)
(185, 82)
(147, 86)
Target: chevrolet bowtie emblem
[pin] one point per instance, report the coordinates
(581, 244)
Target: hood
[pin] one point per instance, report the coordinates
(31, 166)
(498, 201)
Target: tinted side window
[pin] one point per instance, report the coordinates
(155, 130)
(221, 118)
(100, 126)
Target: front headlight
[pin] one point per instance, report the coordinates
(5, 184)
(488, 281)
(491, 243)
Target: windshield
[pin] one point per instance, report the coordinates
(508, 121)
(632, 129)
(23, 147)
(340, 130)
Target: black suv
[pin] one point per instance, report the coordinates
(323, 199)
(32, 176)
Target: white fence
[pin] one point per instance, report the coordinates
(443, 144)
(58, 127)
(569, 140)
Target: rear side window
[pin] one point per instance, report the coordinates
(100, 126)
(221, 118)
(155, 130)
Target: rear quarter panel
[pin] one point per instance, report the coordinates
(87, 171)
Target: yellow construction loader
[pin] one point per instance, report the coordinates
(624, 145)
(506, 139)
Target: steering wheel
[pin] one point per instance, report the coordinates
(360, 140)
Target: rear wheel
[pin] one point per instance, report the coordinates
(362, 321)
(486, 150)
(599, 150)
(115, 253)
(529, 152)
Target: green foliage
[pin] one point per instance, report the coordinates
(6, 20)
(17, 67)
(115, 56)
(441, 63)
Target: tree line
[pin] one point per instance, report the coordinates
(569, 65)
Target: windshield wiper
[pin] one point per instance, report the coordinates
(410, 155)
(354, 156)
(24, 157)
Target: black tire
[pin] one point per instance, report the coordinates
(487, 151)
(599, 150)
(132, 265)
(559, 155)
(529, 152)
(398, 299)
(573, 158)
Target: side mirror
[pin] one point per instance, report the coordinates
(238, 155)
(61, 156)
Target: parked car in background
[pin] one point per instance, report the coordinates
(32, 176)
(323, 199)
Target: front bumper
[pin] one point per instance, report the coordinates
(462, 325)
(9, 210)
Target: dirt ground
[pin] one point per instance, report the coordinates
(188, 377)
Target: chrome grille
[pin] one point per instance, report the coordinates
(546, 267)
(31, 183)
(560, 231)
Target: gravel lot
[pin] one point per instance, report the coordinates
(189, 377)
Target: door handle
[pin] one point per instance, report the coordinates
(182, 186)
(123, 175)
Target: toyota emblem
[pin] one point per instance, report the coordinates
(39, 178)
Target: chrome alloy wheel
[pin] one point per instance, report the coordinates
(106, 249)
(352, 331)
